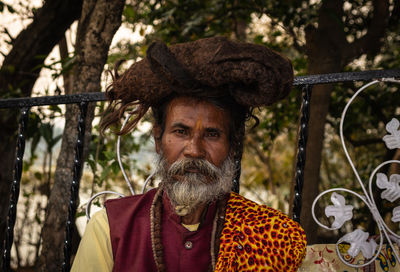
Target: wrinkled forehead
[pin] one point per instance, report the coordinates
(194, 101)
(197, 111)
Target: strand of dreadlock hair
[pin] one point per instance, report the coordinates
(155, 230)
(218, 225)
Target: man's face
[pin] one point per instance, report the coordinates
(194, 165)
(194, 129)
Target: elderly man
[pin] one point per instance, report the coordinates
(201, 93)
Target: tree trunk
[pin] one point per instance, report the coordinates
(97, 26)
(18, 73)
(328, 52)
(395, 167)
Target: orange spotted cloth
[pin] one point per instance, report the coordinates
(258, 238)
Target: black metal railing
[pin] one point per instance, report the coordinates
(12, 210)
(304, 82)
(76, 177)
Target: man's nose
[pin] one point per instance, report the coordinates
(194, 148)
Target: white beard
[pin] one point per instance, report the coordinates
(192, 189)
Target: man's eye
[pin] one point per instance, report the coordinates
(213, 134)
(180, 131)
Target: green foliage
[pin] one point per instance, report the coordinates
(269, 154)
(184, 20)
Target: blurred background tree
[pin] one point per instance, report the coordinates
(318, 36)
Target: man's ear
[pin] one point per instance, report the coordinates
(157, 131)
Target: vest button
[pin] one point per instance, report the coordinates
(188, 245)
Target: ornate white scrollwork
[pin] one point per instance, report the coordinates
(358, 239)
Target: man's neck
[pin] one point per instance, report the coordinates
(194, 217)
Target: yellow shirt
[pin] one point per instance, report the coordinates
(95, 252)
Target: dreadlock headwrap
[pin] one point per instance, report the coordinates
(244, 74)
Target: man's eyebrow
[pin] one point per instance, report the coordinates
(179, 125)
(214, 129)
(208, 129)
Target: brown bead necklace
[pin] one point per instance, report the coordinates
(155, 231)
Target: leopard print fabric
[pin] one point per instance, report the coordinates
(259, 238)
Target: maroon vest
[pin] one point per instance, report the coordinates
(184, 250)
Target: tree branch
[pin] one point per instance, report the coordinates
(362, 142)
(290, 31)
(35, 42)
(8, 35)
(250, 142)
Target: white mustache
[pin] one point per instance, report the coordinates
(201, 166)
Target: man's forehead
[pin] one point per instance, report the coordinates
(187, 100)
(199, 111)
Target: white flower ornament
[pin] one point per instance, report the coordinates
(358, 239)
(392, 187)
(339, 210)
(392, 140)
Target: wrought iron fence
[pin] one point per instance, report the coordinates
(306, 83)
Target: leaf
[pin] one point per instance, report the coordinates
(110, 155)
(80, 214)
(35, 143)
(38, 175)
(129, 13)
(115, 167)
(37, 219)
(92, 165)
(105, 173)
(55, 108)
(54, 141)
(10, 9)
(277, 33)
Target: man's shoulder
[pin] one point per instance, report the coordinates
(245, 212)
(130, 204)
(259, 237)
(239, 203)
(132, 199)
